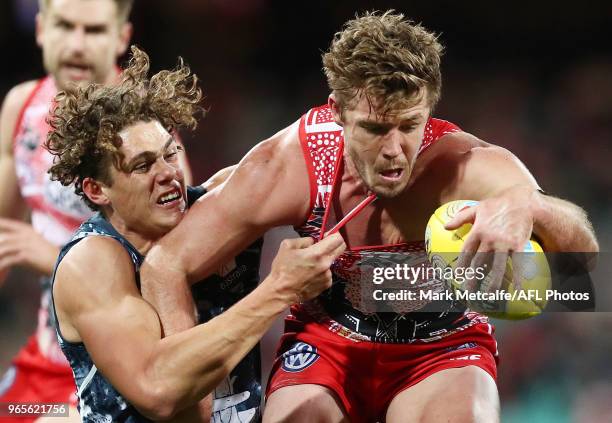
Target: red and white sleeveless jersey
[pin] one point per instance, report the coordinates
(345, 306)
(56, 210)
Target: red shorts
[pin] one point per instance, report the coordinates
(32, 378)
(366, 376)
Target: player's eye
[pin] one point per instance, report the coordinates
(141, 167)
(376, 129)
(171, 156)
(95, 29)
(64, 25)
(407, 128)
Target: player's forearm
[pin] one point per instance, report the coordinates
(45, 263)
(12, 205)
(562, 226)
(199, 413)
(192, 363)
(172, 265)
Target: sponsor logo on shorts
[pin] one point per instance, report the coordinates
(462, 346)
(468, 357)
(299, 357)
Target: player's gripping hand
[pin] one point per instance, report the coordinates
(502, 226)
(301, 271)
(21, 245)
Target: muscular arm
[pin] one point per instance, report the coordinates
(11, 203)
(268, 188)
(218, 178)
(105, 311)
(507, 189)
(19, 243)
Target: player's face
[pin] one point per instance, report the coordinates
(81, 40)
(148, 196)
(384, 149)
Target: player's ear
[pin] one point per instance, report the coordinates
(125, 35)
(335, 108)
(39, 29)
(94, 190)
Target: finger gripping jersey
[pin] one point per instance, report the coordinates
(348, 307)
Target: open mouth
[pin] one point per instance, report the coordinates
(77, 70)
(171, 198)
(392, 174)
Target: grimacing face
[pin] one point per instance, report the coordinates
(81, 40)
(383, 149)
(149, 196)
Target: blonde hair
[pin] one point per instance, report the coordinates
(387, 58)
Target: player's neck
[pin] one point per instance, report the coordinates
(137, 237)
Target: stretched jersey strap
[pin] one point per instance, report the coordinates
(349, 216)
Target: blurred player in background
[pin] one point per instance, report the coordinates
(80, 41)
(375, 139)
(114, 145)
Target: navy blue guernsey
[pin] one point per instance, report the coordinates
(236, 399)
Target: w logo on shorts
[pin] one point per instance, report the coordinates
(300, 356)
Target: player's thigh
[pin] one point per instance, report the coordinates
(304, 403)
(458, 395)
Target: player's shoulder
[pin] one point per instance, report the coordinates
(96, 271)
(95, 258)
(453, 146)
(13, 103)
(472, 165)
(99, 247)
(473, 150)
(466, 146)
(456, 152)
(18, 95)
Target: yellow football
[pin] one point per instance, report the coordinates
(443, 248)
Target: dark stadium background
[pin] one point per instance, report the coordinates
(535, 77)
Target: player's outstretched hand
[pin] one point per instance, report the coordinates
(301, 271)
(21, 245)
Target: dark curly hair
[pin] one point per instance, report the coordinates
(85, 123)
(386, 57)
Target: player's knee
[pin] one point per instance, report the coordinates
(485, 411)
(303, 403)
(477, 400)
(477, 411)
(469, 410)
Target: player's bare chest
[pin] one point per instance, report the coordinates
(384, 221)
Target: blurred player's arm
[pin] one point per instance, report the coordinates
(511, 207)
(268, 188)
(122, 332)
(19, 243)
